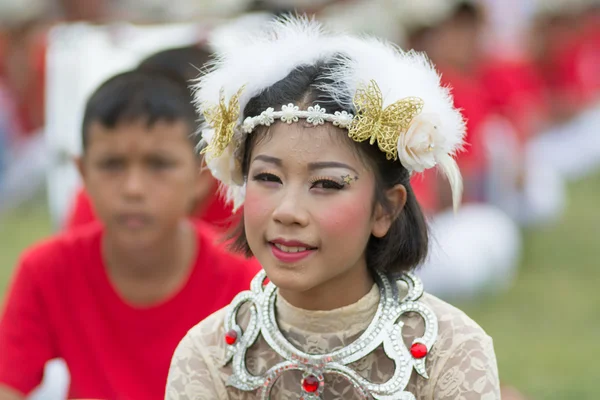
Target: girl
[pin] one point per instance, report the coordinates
(317, 135)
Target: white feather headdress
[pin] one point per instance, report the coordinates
(403, 86)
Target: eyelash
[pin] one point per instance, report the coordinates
(334, 185)
(266, 177)
(327, 183)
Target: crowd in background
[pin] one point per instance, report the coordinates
(525, 74)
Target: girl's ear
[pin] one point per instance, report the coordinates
(396, 197)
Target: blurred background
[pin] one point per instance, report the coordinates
(522, 256)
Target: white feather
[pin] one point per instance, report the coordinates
(399, 74)
(449, 167)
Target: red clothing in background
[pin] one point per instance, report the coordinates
(61, 304)
(472, 100)
(424, 186)
(570, 69)
(516, 91)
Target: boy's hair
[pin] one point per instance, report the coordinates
(140, 95)
(185, 63)
(405, 245)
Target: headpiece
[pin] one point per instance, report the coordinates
(392, 98)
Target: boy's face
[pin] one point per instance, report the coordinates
(143, 180)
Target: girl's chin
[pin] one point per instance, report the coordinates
(290, 279)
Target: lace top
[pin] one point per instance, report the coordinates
(461, 365)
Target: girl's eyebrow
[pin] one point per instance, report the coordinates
(330, 164)
(268, 159)
(311, 166)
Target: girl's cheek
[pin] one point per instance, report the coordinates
(256, 205)
(348, 216)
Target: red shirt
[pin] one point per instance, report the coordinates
(470, 98)
(570, 69)
(516, 91)
(62, 305)
(424, 186)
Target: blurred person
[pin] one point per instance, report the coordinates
(6, 129)
(450, 37)
(208, 11)
(22, 33)
(503, 99)
(374, 17)
(184, 63)
(113, 299)
(280, 7)
(467, 257)
(86, 10)
(559, 49)
(23, 68)
(568, 61)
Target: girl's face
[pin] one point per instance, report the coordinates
(309, 207)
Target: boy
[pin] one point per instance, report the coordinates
(114, 299)
(182, 62)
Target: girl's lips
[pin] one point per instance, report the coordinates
(290, 243)
(290, 254)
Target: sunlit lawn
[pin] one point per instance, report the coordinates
(546, 328)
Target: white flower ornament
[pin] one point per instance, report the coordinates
(289, 113)
(266, 117)
(343, 119)
(316, 115)
(248, 125)
(420, 147)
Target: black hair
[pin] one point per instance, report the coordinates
(148, 96)
(405, 245)
(271, 8)
(468, 12)
(181, 62)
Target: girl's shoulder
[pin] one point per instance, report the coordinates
(209, 336)
(463, 351)
(210, 329)
(451, 320)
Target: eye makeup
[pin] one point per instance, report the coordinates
(326, 182)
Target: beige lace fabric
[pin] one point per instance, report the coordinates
(461, 365)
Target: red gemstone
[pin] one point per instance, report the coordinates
(231, 337)
(310, 384)
(418, 350)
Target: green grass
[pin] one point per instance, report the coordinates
(18, 230)
(546, 328)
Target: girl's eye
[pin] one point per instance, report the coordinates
(266, 177)
(327, 184)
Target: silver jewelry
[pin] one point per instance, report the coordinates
(385, 329)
